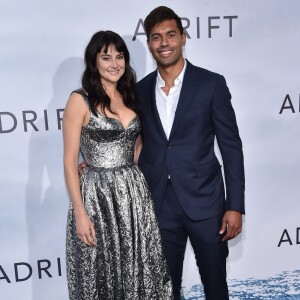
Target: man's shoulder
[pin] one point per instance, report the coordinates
(148, 79)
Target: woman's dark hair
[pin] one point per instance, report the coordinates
(159, 15)
(91, 80)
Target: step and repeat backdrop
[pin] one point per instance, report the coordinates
(254, 44)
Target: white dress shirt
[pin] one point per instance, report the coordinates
(167, 104)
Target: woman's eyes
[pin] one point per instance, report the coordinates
(107, 58)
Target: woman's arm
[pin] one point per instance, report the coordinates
(138, 148)
(76, 115)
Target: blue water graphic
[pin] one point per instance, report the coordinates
(284, 286)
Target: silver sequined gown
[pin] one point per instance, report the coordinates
(127, 262)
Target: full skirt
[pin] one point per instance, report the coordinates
(128, 262)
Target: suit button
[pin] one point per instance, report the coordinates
(169, 146)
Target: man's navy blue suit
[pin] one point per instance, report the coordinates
(187, 159)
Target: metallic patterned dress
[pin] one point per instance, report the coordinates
(128, 262)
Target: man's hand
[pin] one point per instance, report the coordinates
(232, 220)
(81, 167)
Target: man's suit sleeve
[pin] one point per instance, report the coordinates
(230, 145)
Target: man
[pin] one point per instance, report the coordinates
(183, 109)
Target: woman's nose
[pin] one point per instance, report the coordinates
(114, 63)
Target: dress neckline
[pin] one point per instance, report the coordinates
(118, 121)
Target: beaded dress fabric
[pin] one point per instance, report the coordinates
(128, 261)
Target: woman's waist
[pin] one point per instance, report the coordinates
(109, 160)
(103, 167)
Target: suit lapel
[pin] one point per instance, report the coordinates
(187, 93)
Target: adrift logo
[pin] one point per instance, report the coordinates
(30, 119)
(289, 105)
(24, 271)
(290, 238)
(198, 27)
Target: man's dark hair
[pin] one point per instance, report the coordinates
(159, 15)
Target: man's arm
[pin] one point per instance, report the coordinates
(230, 145)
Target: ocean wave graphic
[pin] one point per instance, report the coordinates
(284, 286)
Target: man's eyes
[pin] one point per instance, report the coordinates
(156, 37)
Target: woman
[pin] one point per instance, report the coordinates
(113, 243)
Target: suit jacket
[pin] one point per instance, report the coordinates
(204, 112)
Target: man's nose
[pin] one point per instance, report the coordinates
(164, 41)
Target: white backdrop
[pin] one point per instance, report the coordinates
(254, 44)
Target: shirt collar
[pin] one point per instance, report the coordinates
(161, 83)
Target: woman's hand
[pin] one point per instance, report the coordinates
(85, 230)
